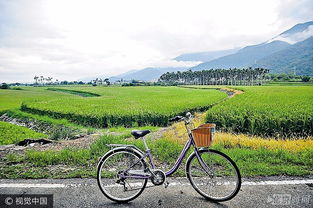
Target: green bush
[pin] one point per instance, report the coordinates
(4, 86)
(306, 79)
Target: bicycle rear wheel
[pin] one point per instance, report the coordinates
(220, 182)
(111, 185)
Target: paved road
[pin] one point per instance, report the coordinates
(256, 192)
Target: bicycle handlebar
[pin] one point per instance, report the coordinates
(176, 118)
(187, 119)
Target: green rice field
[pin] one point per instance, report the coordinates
(279, 111)
(125, 106)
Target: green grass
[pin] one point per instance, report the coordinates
(279, 111)
(56, 129)
(75, 92)
(15, 113)
(264, 162)
(10, 133)
(251, 162)
(12, 99)
(25, 170)
(66, 156)
(127, 106)
(127, 131)
(289, 84)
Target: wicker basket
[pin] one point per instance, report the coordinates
(203, 135)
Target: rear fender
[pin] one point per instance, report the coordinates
(130, 148)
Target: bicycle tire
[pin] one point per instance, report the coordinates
(106, 177)
(215, 161)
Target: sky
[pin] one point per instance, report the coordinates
(73, 39)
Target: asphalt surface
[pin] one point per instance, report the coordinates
(255, 192)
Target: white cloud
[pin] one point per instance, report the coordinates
(297, 37)
(76, 38)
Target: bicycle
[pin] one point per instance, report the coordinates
(123, 172)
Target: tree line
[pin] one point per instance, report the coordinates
(288, 77)
(41, 80)
(233, 76)
(99, 81)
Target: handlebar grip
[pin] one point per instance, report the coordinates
(176, 118)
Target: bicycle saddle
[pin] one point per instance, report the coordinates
(137, 133)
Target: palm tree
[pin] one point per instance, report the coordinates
(36, 80)
(230, 76)
(41, 79)
(49, 79)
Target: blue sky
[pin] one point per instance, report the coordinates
(71, 39)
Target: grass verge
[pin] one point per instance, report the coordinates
(82, 162)
(54, 128)
(11, 134)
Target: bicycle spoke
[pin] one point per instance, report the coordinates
(110, 176)
(223, 184)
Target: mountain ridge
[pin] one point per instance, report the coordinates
(250, 55)
(147, 74)
(205, 56)
(297, 58)
(297, 28)
(245, 57)
(258, 55)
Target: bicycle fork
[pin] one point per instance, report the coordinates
(204, 166)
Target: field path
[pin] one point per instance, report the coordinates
(178, 131)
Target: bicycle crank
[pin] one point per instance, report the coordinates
(158, 177)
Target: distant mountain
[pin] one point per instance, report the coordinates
(88, 79)
(297, 33)
(205, 56)
(277, 54)
(297, 58)
(147, 74)
(297, 28)
(245, 57)
(129, 72)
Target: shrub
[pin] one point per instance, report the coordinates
(4, 86)
(306, 79)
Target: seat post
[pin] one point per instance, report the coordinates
(145, 143)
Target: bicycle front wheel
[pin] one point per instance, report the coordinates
(219, 181)
(114, 187)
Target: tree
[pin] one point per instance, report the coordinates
(36, 80)
(49, 79)
(41, 79)
(106, 80)
(4, 86)
(306, 79)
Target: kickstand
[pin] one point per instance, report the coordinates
(166, 183)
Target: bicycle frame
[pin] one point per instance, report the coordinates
(125, 162)
(177, 164)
